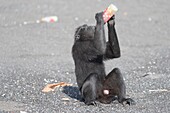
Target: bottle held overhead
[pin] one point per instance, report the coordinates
(109, 12)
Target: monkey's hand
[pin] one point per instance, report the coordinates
(112, 20)
(99, 17)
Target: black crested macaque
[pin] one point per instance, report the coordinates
(89, 51)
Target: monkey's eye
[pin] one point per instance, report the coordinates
(77, 37)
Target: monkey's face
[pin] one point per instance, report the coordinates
(84, 32)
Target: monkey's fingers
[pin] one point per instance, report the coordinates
(129, 101)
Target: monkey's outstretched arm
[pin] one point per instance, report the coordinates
(113, 49)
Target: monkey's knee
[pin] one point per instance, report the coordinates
(115, 74)
(116, 71)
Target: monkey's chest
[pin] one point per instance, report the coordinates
(83, 71)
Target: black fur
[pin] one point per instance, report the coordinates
(89, 51)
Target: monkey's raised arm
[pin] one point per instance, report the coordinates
(99, 35)
(113, 49)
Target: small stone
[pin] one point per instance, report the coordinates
(52, 54)
(38, 21)
(150, 19)
(65, 99)
(23, 112)
(25, 23)
(76, 18)
(3, 95)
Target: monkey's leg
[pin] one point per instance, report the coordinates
(114, 81)
(89, 89)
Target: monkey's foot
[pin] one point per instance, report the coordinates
(129, 101)
(91, 103)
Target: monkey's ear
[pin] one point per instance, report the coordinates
(77, 37)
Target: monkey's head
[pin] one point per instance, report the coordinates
(84, 33)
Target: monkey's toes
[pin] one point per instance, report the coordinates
(130, 101)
